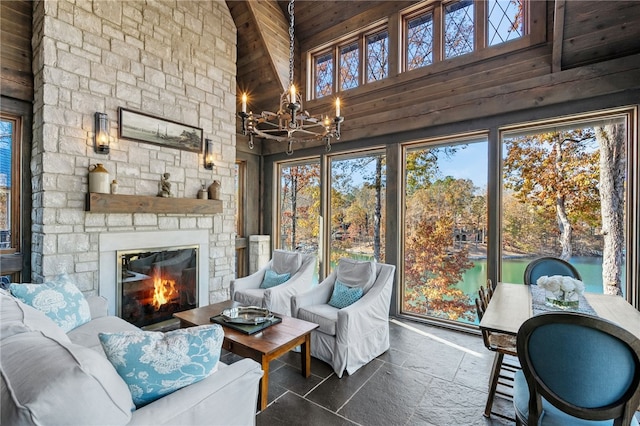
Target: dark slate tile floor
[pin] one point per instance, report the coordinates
(430, 376)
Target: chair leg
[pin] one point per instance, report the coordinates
(493, 382)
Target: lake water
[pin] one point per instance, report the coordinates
(590, 269)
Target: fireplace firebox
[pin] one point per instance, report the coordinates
(153, 284)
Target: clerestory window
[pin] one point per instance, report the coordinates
(429, 32)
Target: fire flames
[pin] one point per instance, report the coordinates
(164, 290)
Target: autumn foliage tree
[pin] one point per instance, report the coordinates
(434, 260)
(558, 174)
(300, 198)
(432, 270)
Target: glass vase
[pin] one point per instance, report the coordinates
(561, 300)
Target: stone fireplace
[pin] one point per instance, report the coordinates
(136, 266)
(83, 67)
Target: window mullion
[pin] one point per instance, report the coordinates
(438, 36)
(394, 32)
(363, 59)
(336, 69)
(480, 17)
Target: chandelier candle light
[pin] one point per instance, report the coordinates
(291, 123)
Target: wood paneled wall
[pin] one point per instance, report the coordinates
(596, 31)
(16, 77)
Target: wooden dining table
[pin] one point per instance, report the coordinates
(511, 305)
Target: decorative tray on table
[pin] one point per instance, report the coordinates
(246, 319)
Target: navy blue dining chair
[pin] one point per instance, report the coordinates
(576, 369)
(549, 266)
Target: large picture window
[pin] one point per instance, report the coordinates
(563, 195)
(298, 215)
(356, 201)
(445, 228)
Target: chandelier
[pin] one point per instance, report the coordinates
(291, 123)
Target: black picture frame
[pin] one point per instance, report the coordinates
(142, 127)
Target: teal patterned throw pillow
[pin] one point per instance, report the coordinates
(154, 364)
(344, 296)
(272, 279)
(59, 299)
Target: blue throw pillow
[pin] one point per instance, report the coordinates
(60, 300)
(344, 296)
(154, 364)
(272, 279)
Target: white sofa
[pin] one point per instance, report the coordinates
(48, 377)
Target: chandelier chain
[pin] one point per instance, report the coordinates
(291, 40)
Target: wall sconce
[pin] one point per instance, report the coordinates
(101, 135)
(208, 154)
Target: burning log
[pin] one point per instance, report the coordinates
(164, 291)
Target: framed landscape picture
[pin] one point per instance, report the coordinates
(142, 127)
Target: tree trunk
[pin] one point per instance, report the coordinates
(566, 230)
(564, 225)
(611, 139)
(294, 207)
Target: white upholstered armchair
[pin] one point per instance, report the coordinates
(350, 337)
(251, 290)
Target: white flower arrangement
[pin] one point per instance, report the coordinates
(561, 288)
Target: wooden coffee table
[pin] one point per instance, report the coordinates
(264, 346)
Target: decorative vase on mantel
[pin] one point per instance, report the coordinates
(99, 179)
(214, 190)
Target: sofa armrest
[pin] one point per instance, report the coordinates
(318, 295)
(252, 281)
(227, 397)
(98, 306)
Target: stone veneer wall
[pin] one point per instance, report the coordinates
(174, 59)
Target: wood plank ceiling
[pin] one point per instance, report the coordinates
(263, 39)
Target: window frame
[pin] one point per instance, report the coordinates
(278, 166)
(314, 62)
(13, 212)
(405, 147)
(241, 197)
(526, 24)
(334, 48)
(395, 24)
(476, 38)
(430, 9)
(632, 194)
(326, 192)
(360, 79)
(481, 30)
(365, 56)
